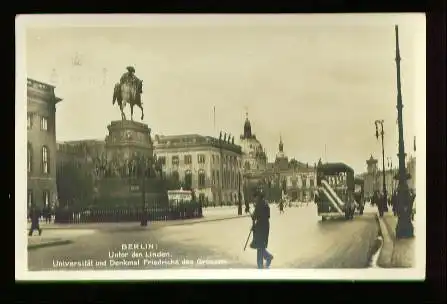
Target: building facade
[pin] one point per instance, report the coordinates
(209, 166)
(283, 176)
(295, 179)
(374, 178)
(41, 144)
(254, 158)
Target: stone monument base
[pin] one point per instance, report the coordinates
(127, 138)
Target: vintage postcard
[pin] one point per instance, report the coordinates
(220, 146)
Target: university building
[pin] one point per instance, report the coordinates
(41, 144)
(209, 166)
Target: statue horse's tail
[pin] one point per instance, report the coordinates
(116, 94)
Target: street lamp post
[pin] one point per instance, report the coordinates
(384, 206)
(221, 173)
(404, 227)
(239, 196)
(142, 164)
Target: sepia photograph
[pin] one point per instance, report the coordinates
(220, 146)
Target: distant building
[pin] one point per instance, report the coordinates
(293, 177)
(296, 179)
(210, 167)
(374, 178)
(371, 177)
(41, 144)
(254, 157)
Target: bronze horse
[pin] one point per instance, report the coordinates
(129, 92)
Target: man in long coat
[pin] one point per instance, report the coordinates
(35, 215)
(261, 230)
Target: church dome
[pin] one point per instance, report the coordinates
(247, 128)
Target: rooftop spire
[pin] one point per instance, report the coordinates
(281, 145)
(247, 127)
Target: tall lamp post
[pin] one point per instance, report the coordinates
(221, 173)
(142, 165)
(384, 206)
(404, 227)
(239, 195)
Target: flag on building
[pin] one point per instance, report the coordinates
(414, 143)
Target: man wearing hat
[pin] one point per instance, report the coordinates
(261, 229)
(128, 76)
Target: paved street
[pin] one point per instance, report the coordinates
(298, 239)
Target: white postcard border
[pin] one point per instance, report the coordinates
(24, 21)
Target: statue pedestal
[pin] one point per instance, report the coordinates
(127, 138)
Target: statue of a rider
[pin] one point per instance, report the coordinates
(129, 76)
(129, 90)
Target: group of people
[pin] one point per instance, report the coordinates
(378, 199)
(35, 214)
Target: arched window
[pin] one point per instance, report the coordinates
(45, 160)
(201, 178)
(188, 179)
(30, 158)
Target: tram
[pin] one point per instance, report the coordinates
(335, 191)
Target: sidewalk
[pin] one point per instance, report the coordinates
(395, 253)
(35, 242)
(52, 237)
(209, 214)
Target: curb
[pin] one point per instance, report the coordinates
(158, 224)
(162, 225)
(210, 220)
(386, 253)
(48, 244)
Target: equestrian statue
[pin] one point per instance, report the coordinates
(128, 90)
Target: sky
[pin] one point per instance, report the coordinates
(319, 82)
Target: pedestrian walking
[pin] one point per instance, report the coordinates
(34, 215)
(261, 230)
(281, 206)
(394, 203)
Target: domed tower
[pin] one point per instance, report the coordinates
(247, 128)
(281, 159)
(254, 157)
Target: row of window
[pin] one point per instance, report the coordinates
(43, 122)
(45, 198)
(201, 159)
(45, 159)
(230, 179)
(188, 178)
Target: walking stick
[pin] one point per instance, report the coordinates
(248, 238)
(249, 234)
